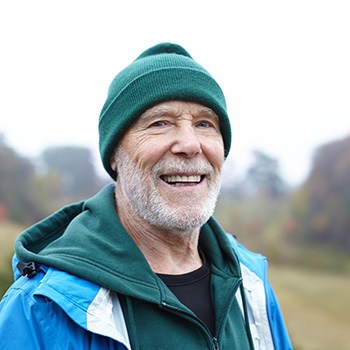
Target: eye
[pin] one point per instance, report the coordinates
(204, 124)
(158, 123)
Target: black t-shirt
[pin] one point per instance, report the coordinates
(193, 290)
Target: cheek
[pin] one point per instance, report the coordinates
(214, 151)
(145, 154)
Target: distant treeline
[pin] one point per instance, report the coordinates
(265, 213)
(31, 189)
(259, 204)
(321, 206)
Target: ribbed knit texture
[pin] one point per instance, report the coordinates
(162, 73)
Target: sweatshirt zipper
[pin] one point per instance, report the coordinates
(215, 343)
(235, 287)
(174, 309)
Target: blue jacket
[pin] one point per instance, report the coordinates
(56, 309)
(95, 319)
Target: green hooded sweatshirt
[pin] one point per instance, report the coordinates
(87, 239)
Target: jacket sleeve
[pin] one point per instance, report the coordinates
(30, 321)
(25, 321)
(278, 328)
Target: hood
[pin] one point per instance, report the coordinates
(88, 240)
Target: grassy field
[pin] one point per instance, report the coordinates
(316, 306)
(315, 303)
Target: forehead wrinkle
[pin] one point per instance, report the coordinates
(158, 111)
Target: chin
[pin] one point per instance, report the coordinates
(181, 220)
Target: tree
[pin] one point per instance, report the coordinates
(74, 165)
(17, 176)
(263, 177)
(322, 205)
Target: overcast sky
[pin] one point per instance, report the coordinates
(283, 65)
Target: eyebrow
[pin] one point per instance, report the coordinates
(161, 111)
(155, 112)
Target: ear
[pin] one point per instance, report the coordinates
(113, 164)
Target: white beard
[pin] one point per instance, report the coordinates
(145, 201)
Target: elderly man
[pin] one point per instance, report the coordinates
(143, 265)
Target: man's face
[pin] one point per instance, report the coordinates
(169, 164)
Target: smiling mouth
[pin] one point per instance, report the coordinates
(182, 180)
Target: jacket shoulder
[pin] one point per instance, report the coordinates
(255, 262)
(270, 328)
(24, 318)
(31, 320)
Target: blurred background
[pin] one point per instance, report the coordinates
(284, 69)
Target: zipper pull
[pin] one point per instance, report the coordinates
(215, 343)
(30, 269)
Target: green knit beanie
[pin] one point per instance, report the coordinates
(162, 73)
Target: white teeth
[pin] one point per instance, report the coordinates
(178, 178)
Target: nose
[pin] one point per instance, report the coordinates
(186, 142)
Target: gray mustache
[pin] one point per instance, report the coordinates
(182, 166)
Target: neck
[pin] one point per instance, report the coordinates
(167, 251)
